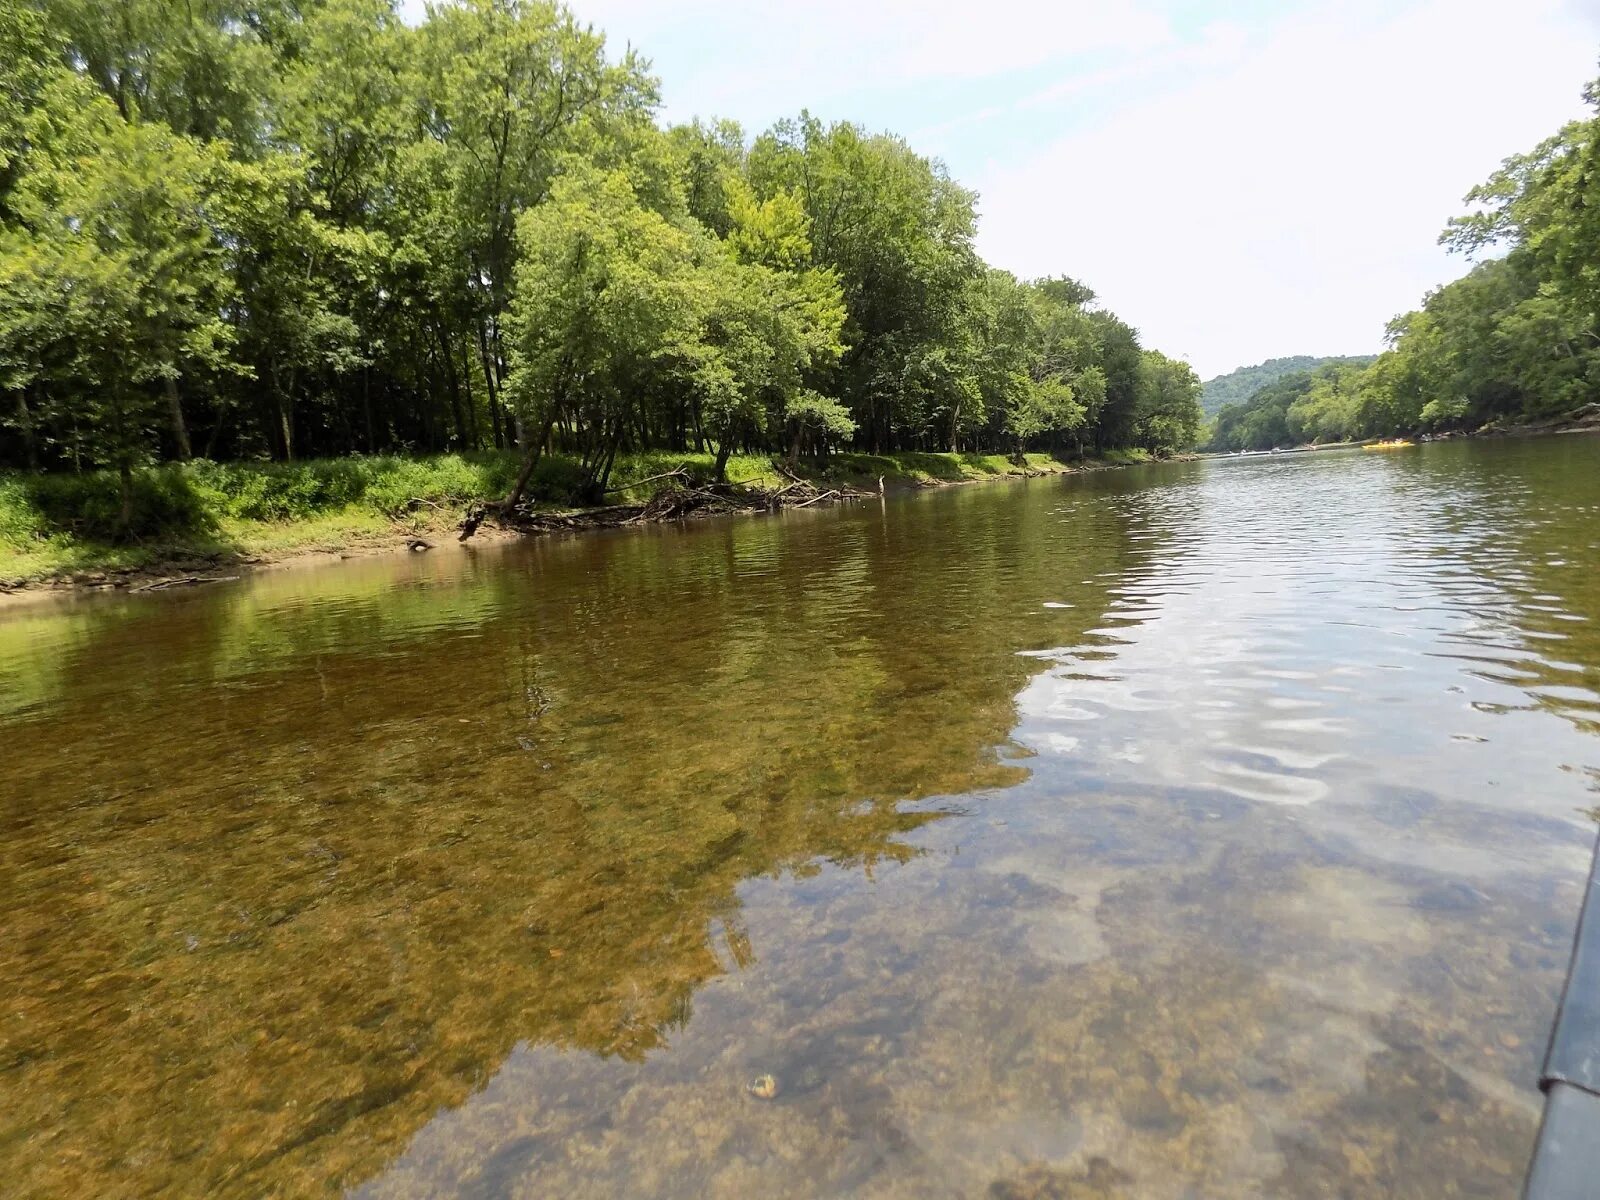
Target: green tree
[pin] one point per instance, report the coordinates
(898, 233)
(510, 87)
(769, 323)
(1330, 408)
(605, 295)
(202, 67)
(114, 284)
(1168, 414)
(312, 216)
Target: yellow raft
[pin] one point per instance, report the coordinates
(1395, 444)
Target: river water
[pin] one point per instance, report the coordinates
(1210, 829)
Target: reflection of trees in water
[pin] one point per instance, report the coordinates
(340, 856)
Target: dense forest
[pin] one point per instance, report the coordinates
(274, 229)
(1239, 385)
(1319, 405)
(1516, 339)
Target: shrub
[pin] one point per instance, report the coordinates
(20, 519)
(556, 480)
(89, 506)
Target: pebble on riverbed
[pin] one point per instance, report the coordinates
(763, 1087)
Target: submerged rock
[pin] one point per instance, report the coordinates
(763, 1087)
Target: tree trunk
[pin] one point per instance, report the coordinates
(529, 462)
(493, 385)
(494, 423)
(455, 389)
(472, 404)
(25, 426)
(366, 406)
(604, 476)
(283, 431)
(125, 514)
(724, 446)
(346, 426)
(216, 430)
(180, 431)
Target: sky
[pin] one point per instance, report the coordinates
(1237, 180)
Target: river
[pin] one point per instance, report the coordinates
(1206, 829)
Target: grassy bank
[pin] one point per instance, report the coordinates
(56, 527)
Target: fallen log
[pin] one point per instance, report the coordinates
(162, 585)
(680, 473)
(817, 499)
(775, 499)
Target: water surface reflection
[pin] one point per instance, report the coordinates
(1211, 830)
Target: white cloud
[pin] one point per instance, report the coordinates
(756, 61)
(1290, 203)
(1220, 44)
(1009, 35)
(836, 44)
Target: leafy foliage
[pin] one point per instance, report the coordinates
(265, 229)
(1239, 385)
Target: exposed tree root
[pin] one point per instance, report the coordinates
(682, 500)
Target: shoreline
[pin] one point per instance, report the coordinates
(196, 568)
(1585, 420)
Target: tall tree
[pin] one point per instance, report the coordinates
(512, 85)
(115, 246)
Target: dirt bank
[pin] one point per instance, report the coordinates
(191, 568)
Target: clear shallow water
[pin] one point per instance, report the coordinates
(1207, 830)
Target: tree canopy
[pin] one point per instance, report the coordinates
(281, 228)
(1239, 385)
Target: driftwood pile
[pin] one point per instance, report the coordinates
(683, 497)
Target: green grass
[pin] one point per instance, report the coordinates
(54, 525)
(204, 512)
(1127, 458)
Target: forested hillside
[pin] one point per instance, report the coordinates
(1238, 386)
(253, 229)
(1307, 406)
(1516, 339)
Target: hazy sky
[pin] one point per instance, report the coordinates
(1239, 180)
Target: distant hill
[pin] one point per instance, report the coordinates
(1238, 386)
